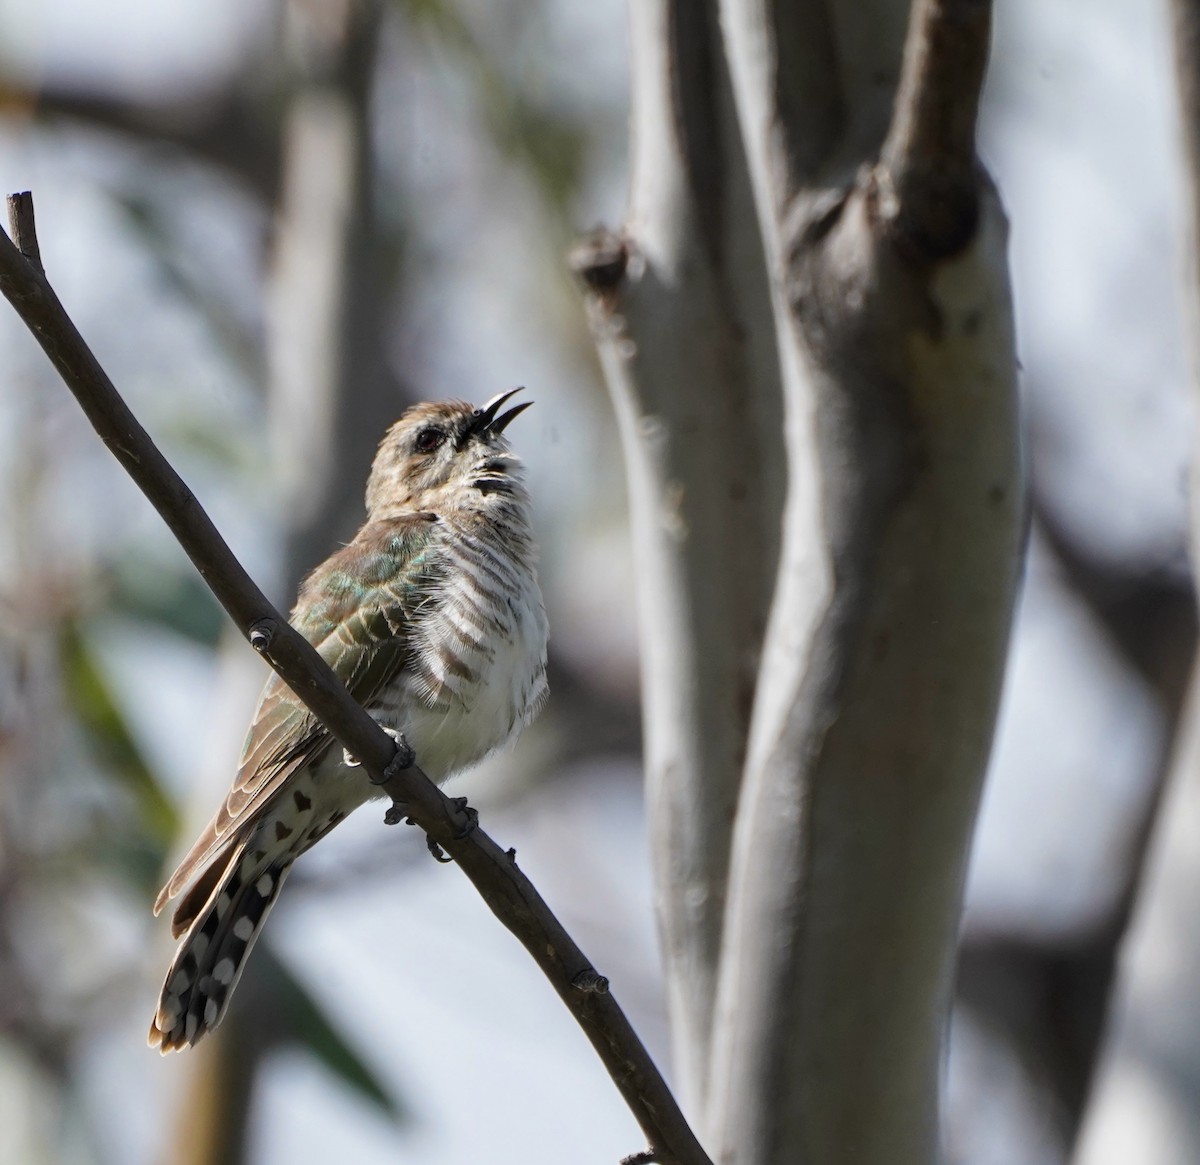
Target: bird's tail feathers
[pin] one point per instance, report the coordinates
(220, 934)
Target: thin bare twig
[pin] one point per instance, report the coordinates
(494, 872)
(24, 231)
(929, 158)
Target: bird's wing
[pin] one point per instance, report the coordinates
(355, 608)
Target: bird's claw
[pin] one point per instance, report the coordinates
(402, 758)
(460, 806)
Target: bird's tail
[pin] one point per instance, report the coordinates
(210, 959)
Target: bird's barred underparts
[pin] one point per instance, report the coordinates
(433, 618)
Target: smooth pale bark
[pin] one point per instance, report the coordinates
(883, 248)
(681, 315)
(903, 534)
(876, 707)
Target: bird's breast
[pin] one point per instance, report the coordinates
(478, 667)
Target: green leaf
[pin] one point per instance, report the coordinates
(111, 741)
(158, 593)
(307, 1025)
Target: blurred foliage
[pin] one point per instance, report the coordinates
(114, 751)
(536, 134)
(156, 594)
(198, 289)
(285, 1012)
(289, 1015)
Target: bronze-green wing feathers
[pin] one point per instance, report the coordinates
(355, 608)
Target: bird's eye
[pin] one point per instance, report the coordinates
(429, 438)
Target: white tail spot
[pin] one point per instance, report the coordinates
(210, 1012)
(265, 885)
(223, 972)
(243, 929)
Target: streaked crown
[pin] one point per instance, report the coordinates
(446, 455)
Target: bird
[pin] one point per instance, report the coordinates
(433, 617)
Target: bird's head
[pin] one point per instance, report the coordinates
(447, 455)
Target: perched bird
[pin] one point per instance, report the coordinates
(433, 618)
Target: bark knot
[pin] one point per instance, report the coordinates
(599, 260)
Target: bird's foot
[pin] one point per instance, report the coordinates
(460, 806)
(402, 758)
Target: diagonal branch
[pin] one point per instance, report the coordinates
(494, 872)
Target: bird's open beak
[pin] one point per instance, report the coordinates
(489, 422)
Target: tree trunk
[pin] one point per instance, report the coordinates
(681, 313)
(883, 250)
(331, 392)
